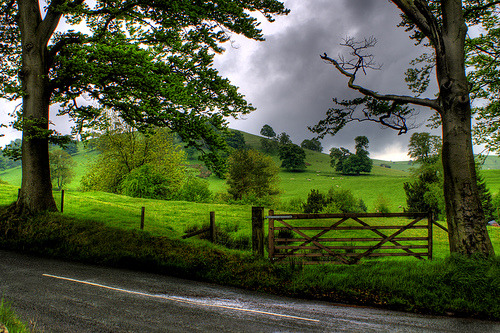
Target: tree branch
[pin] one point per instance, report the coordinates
(432, 103)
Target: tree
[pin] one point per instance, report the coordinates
(235, 140)
(149, 62)
(284, 139)
(267, 131)
(424, 148)
(352, 164)
(251, 173)
(442, 25)
(292, 157)
(135, 164)
(61, 165)
(312, 144)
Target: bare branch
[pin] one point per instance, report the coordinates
(400, 99)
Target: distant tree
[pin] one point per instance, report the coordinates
(312, 144)
(71, 147)
(269, 146)
(292, 157)
(13, 150)
(235, 140)
(352, 164)
(284, 139)
(424, 148)
(337, 158)
(61, 168)
(251, 173)
(267, 131)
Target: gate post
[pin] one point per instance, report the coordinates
(430, 222)
(258, 230)
(271, 235)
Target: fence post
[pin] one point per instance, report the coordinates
(271, 234)
(143, 212)
(258, 230)
(212, 227)
(62, 201)
(430, 219)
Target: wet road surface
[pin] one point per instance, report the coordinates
(61, 296)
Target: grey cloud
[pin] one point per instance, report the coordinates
(295, 86)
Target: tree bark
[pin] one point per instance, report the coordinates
(465, 216)
(36, 188)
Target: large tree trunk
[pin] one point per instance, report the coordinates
(465, 216)
(36, 189)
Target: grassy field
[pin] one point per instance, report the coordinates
(173, 218)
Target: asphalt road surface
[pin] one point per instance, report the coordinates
(59, 296)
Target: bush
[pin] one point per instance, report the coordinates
(146, 182)
(382, 205)
(195, 190)
(343, 201)
(315, 203)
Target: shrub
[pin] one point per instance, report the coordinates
(146, 182)
(382, 205)
(315, 203)
(195, 190)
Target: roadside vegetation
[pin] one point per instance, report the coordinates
(10, 320)
(450, 286)
(103, 228)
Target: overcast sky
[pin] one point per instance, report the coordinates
(292, 88)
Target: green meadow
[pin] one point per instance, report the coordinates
(173, 218)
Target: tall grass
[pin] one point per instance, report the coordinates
(10, 319)
(460, 286)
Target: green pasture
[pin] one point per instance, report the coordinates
(172, 218)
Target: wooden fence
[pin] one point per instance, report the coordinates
(328, 243)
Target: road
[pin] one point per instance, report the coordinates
(61, 296)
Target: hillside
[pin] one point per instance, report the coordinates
(385, 182)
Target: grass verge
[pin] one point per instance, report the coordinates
(453, 286)
(10, 320)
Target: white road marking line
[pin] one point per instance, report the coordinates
(175, 299)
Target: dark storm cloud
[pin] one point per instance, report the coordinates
(292, 87)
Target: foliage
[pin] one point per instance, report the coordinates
(343, 201)
(424, 193)
(194, 189)
(485, 196)
(149, 63)
(352, 164)
(334, 202)
(315, 202)
(267, 131)
(284, 139)
(251, 173)
(292, 157)
(145, 165)
(235, 140)
(12, 151)
(7, 158)
(430, 24)
(269, 146)
(424, 148)
(455, 285)
(382, 205)
(312, 144)
(146, 182)
(61, 168)
(10, 319)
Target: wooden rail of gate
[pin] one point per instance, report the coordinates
(319, 246)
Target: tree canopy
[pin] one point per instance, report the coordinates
(149, 62)
(442, 27)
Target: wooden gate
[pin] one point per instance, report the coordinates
(349, 238)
